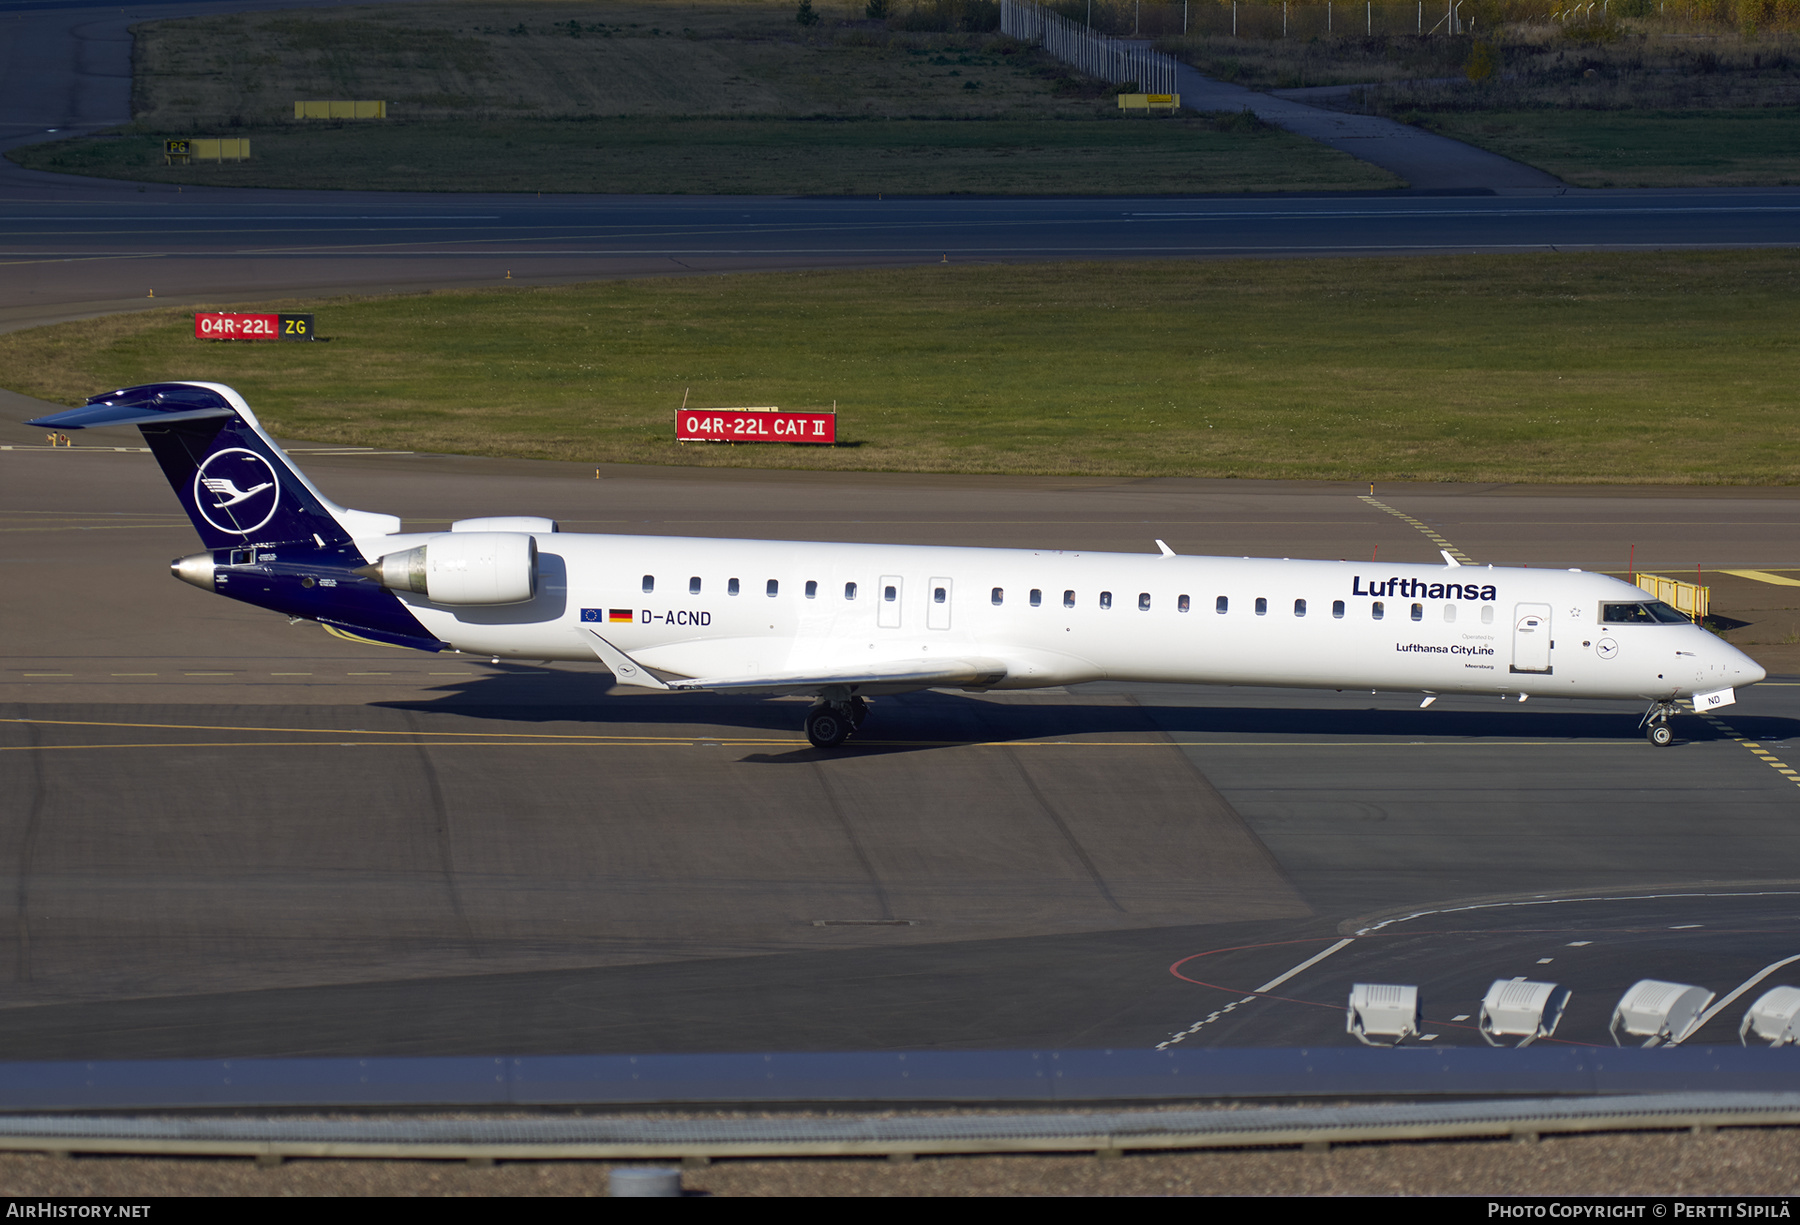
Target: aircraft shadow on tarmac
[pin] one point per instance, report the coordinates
(934, 719)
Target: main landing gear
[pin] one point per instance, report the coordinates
(1656, 724)
(830, 723)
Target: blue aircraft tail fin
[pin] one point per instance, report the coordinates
(235, 483)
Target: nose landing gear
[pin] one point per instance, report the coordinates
(829, 724)
(1656, 724)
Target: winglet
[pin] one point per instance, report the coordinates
(1166, 550)
(625, 669)
(1449, 560)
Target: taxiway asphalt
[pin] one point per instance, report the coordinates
(228, 835)
(73, 248)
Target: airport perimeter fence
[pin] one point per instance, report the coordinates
(1109, 59)
(1111, 20)
(1309, 19)
(1334, 17)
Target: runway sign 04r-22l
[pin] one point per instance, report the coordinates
(754, 425)
(217, 325)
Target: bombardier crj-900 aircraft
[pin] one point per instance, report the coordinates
(844, 622)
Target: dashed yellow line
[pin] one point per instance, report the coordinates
(338, 731)
(1767, 758)
(1430, 533)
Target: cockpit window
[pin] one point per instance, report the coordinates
(1651, 612)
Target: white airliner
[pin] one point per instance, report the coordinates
(844, 622)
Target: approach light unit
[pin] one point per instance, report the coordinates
(1773, 1017)
(1382, 1011)
(1514, 1008)
(1660, 1013)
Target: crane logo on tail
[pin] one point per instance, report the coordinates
(231, 493)
(236, 490)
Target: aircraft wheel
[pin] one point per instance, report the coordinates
(1661, 735)
(827, 728)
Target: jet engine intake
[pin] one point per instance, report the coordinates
(463, 568)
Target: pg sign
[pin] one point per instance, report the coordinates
(754, 425)
(218, 325)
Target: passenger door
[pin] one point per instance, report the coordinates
(1531, 638)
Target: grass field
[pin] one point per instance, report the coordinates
(1646, 102)
(1110, 156)
(655, 96)
(1713, 148)
(1655, 367)
(484, 60)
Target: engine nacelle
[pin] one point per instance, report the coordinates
(463, 568)
(506, 523)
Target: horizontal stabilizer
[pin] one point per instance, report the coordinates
(92, 416)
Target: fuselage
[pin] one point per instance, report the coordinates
(709, 607)
(841, 622)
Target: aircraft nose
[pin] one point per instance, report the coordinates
(1742, 669)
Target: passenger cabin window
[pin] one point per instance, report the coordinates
(1487, 614)
(889, 594)
(731, 586)
(1143, 601)
(1262, 607)
(1418, 612)
(1449, 612)
(1181, 603)
(774, 588)
(694, 585)
(1337, 609)
(1299, 608)
(1378, 610)
(1037, 597)
(1068, 599)
(999, 596)
(938, 595)
(1652, 613)
(1106, 599)
(1222, 604)
(649, 583)
(812, 590)
(849, 591)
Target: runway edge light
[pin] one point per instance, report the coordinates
(1382, 1010)
(1659, 1012)
(1773, 1017)
(1514, 1008)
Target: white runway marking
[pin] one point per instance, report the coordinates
(1273, 983)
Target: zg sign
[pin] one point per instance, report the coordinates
(754, 425)
(217, 325)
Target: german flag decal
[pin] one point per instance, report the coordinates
(616, 615)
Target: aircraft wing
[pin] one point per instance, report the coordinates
(887, 675)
